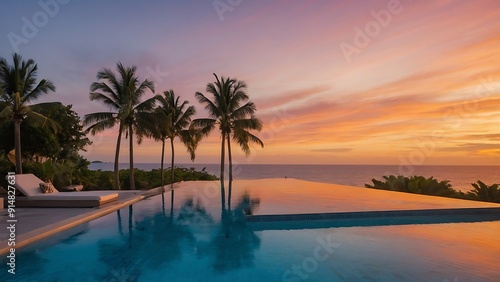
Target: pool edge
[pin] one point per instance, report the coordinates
(41, 233)
(372, 214)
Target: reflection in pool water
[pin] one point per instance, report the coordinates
(195, 240)
(157, 240)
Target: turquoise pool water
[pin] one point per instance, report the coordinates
(193, 240)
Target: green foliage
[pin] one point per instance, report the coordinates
(433, 187)
(43, 143)
(393, 183)
(483, 192)
(71, 137)
(416, 185)
(5, 167)
(103, 180)
(62, 172)
(46, 171)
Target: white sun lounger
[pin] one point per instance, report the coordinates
(29, 185)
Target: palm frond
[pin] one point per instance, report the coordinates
(112, 104)
(156, 127)
(146, 106)
(184, 119)
(237, 95)
(190, 140)
(141, 90)
(20, 77)
(251, 123)
(108, 76)
(40, 120)
(45, 108)
(101, 125)
(212, 109)
(203, 125)
(247, 109)
(104, 87)
(243, 137)
(99, 117)
(43, 87)
(145, 124)
(5, 111)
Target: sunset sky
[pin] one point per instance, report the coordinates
(335, 82)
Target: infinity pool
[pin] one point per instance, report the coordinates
(193, 240)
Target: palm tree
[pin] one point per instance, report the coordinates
(123, 95)
(484, 192)
(18, 88)
(232, 111)
(174, 120)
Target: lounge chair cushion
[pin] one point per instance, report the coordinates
(47, 187)
(103, 196)
(29, 184)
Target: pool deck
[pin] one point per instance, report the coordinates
(34, 224)
(279, 198)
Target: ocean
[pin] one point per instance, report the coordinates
(460, 177)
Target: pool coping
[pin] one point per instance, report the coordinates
(49, 230)
(373, 214)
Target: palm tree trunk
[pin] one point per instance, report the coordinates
(131, 144)
(17, 145)
(161, 164)
(117, 154)
(230, 172)
(222, 157)
(172, 173)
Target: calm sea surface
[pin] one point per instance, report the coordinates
(460, 177)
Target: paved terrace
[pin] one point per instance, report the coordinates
(276, 197)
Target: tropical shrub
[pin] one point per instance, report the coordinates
(483, 192)
(103, 180)
(417, 185)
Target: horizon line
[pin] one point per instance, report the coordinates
(299, 164)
